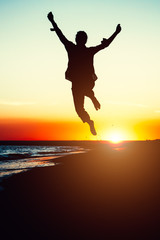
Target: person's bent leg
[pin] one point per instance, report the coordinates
(96, 103)
(78, 98)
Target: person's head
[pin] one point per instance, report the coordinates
(81, 38)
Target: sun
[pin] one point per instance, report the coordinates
(115, 136)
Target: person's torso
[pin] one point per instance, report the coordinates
(80, 62)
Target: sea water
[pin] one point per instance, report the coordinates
(19, 158)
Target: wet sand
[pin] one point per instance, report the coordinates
(105, 193)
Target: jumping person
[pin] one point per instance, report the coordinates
(80, 69)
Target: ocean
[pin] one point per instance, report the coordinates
(16, 157)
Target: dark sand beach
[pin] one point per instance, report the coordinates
(106, 193)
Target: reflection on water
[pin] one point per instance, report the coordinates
(119, 148)
(17, 158)
(10, 172)
(8, 168)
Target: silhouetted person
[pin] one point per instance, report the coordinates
(80, 69)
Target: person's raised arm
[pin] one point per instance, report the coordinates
(106, 42)
(55, 28)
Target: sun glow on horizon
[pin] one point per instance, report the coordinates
(116, 136)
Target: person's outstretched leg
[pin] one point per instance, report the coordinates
(78, 97)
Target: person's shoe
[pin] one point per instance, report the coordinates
(92, 128)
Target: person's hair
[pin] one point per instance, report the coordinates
(81, 37)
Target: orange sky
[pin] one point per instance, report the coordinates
(21, 129)
(25, 129)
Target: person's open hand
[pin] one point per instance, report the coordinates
(50, 17)
(118, 28)
(104, 41)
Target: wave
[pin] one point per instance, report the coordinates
(14, 156)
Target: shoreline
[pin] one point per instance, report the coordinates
(17, 158)
(37, 162)
(104, 193)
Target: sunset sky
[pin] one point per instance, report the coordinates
(35, 99)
